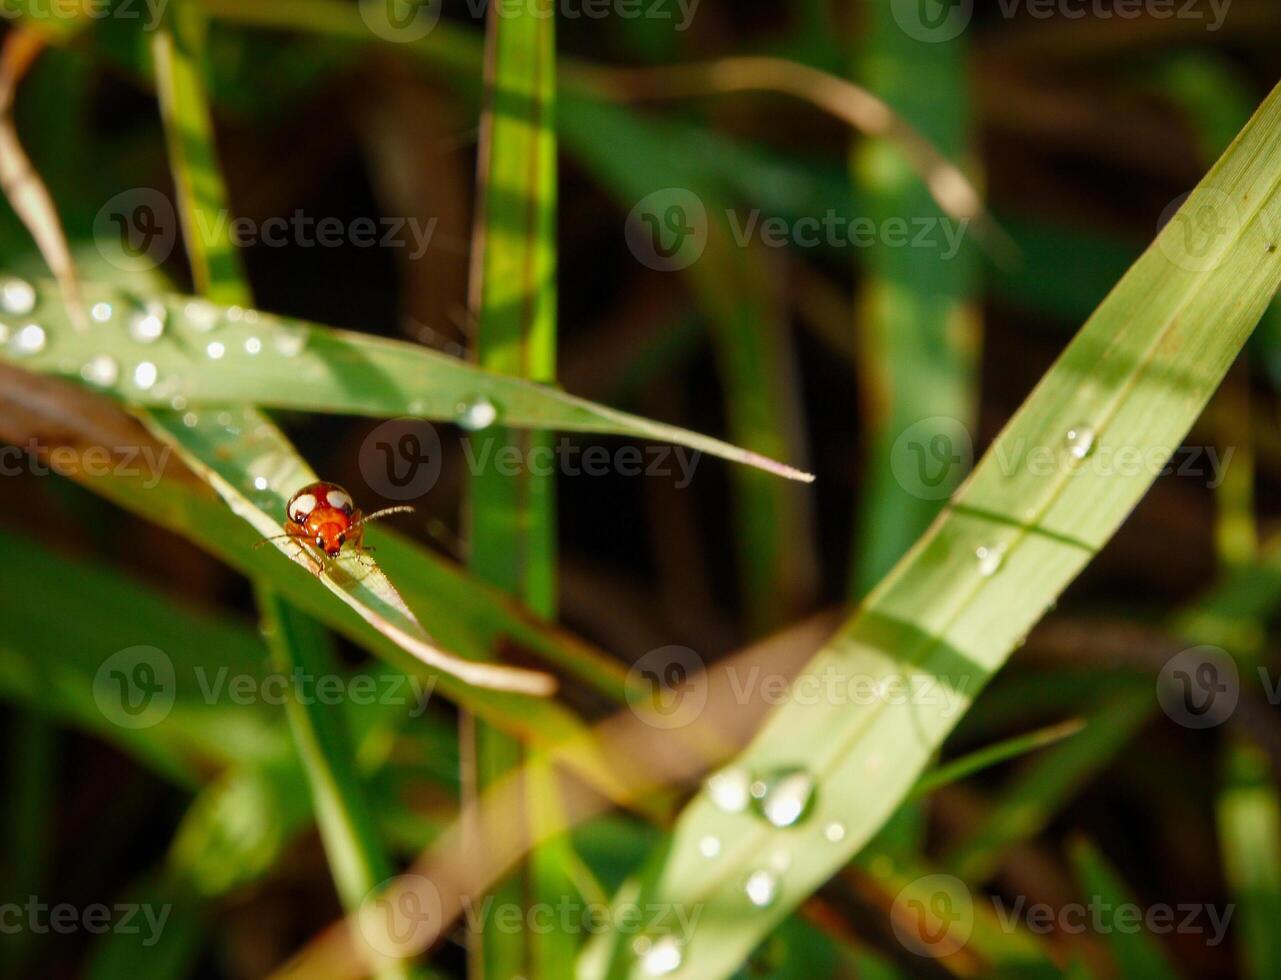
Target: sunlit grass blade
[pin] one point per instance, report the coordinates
(1249, 818)
(511, 518)
(1137, 375)
(212, 355)
(256, 471)
(992, 755)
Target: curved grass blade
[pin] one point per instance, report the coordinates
(149, 350)
(1015, 535)
(255, 470)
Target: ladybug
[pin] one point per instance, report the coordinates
(324, 516)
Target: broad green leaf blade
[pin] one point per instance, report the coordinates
(1017, 532)
(149, 350)
(256, 471)
(1249, 817)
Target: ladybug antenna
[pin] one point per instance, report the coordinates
(378, 515)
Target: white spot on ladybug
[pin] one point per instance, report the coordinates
(302, 505)
(339, 499)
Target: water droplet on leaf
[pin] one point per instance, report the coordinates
(728, 790)
(761, 888)
(709, 846)
(144, 375)
(476, 415)
(215, 351)
(663, 956)
(785, 797)
(17, 296)
(1080, 441)
(101, 370)
(30, 339)
(990, 560)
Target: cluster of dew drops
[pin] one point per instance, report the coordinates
(782, 798)
(147, 322)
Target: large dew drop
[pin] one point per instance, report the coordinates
(17, 296)
(729, 790)
(478, 414)
(144, 375)
(784, 797)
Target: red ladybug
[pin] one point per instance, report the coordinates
(324, 516)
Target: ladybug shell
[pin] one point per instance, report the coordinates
(324, 515)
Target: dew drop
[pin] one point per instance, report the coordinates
(200, 315)
(144, 375)
(290, 343)
(761, 888)
(709, 846)
(1080, 441)
(990, 560)
(661, 957)
(30, 339)
(476, 415)
(261, 483)
(101, 312)
(17, 296)
(253, 345)
(178, 403)
(235, 313)
(834, 832)
(147, 325)
(101, 370)
(729, 790)
(215, 350)
(784, 797)
(191, 420)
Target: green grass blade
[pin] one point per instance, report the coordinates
(1249, 817)
(993, 755)
(343, 813)
(1034, 796)
(917, 320)
(511, 531)
(1136, 952)
(177, 50)
(1137, 375)
(255, 470)
(212, 355)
